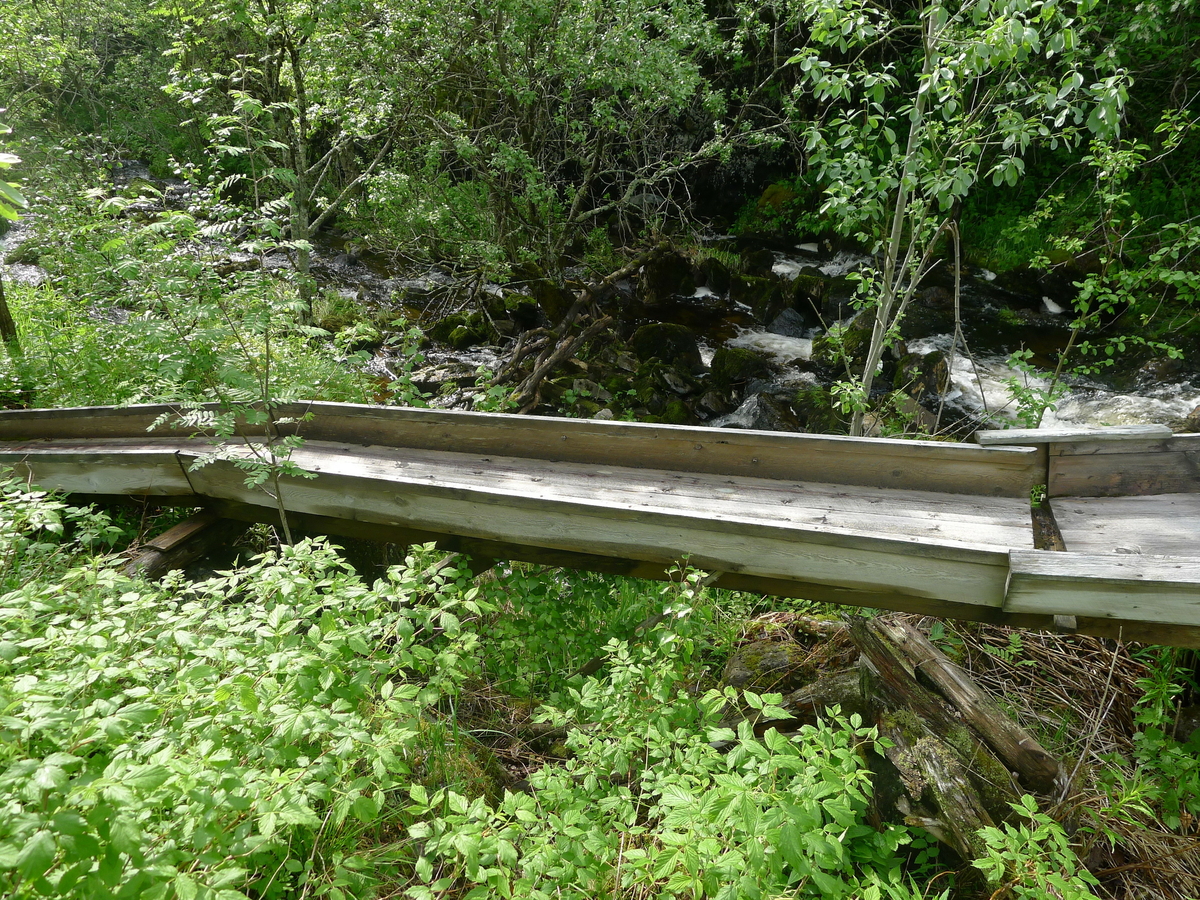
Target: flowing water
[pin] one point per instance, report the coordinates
(981, 384)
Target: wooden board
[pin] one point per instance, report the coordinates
(1159, 524)
(1081, 434)
(866, 462)
(630, 531)
(1125, 468)
(1163, 590)
(944, 519)
(139, 468)
(1176, 635)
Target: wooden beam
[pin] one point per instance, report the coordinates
(1008, 437)
(186, 542)
(1125, 468)
(1037, 769)
(867, 462)
(1160, 590)
(856, 560)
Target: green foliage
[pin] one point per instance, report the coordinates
(11, 198)
(139, 311)
(894, 171)
(169, 738)
(644, 808)
(1034, 859)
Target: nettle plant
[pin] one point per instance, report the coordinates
(900, 146)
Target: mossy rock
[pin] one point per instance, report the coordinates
(758, 262)
(763, 295)
(461, 330)
(922, 376)
(737, 365)
(523, 310)
(667, 342)
(677, 413)
(854, 342)
(715, 275)
(769, 666)
(817, 414)
(776, 196)
(666, 276)
(553, 299)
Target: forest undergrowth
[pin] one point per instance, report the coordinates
(286, 728)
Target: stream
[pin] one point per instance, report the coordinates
(975, 384)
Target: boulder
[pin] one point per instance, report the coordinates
(666, 276)
(769, 666)
(666, 342)
(788, 323)
(735, 366)
(1191, 422)
(763, 295)
(923, 376)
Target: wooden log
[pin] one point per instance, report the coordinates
(941, 796)
(180, 545)
(1037, 770)
(940, 762)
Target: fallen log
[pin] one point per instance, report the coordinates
(1035, 768)
(180, 545)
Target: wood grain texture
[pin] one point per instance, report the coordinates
(1125, 629)
(650, 534)
(195, 537)
(1152, 525)
(140, 469)
(1037, 769)
(1125, 468)
(1163, 590)
(867, 462)
(1081, 434)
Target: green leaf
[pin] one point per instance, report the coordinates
(37, 855)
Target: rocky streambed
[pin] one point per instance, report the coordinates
(727, 332)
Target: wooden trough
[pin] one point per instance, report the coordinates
(929, 527)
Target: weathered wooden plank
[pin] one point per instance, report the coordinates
(1125, 468)
(1066, 435)
(929, 466)
(143, 471)
(1164, 590)
(1153, 633)
(873, 462)
(726, 545)
(633, 568)
(183, 531)
(1158, 524)
(188, 541)
(942, 518)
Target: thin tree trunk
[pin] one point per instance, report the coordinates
(891, 278)
(8, 328)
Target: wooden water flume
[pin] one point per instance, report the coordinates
(928, 527)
